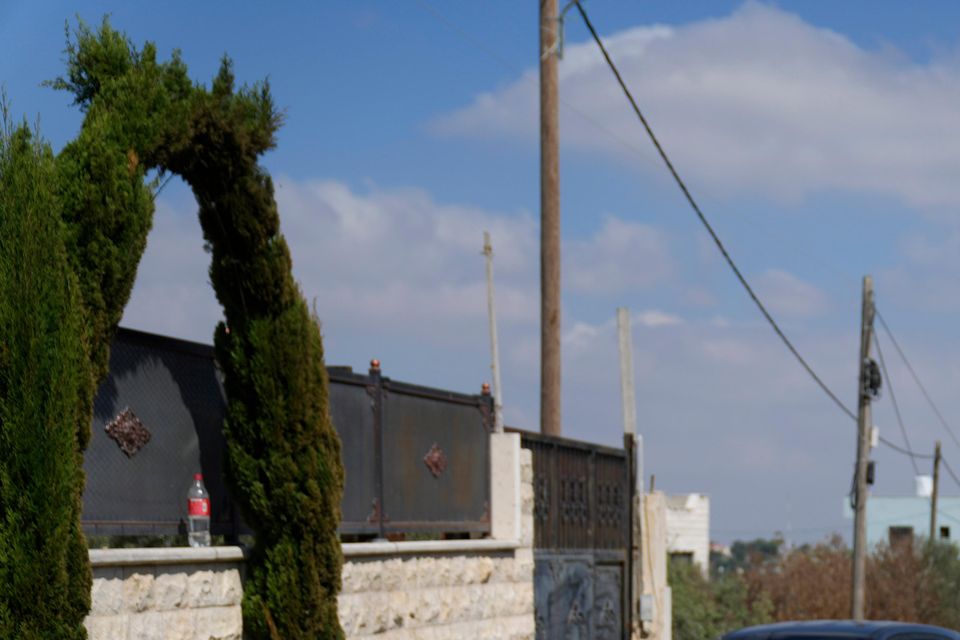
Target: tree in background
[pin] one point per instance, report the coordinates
(744, 555)
(944, 561)
(708, 609)
(283, 454)
(913, 581)
(42, 377)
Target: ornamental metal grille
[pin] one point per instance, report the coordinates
(582, 539)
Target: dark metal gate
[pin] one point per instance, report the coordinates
(582, 538)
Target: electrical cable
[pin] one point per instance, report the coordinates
(161, 187)
(696, 208)
(428, 7)
(893, 400)
(916, 379)
(917, 456)
(946, 465)
(509, 66)
(726, 255)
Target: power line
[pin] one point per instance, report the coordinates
(509, 66)
(726, 255)
(161, 187)
(696, 208)
(946, 465)
(896, 407)
(899, 449)
(916, 379)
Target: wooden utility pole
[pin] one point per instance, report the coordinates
(549, 222)
(864, 423)
(494, 348)
(933, 496)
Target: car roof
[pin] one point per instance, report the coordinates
(836, 628)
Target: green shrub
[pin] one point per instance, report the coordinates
(704, 609)
(44, 570)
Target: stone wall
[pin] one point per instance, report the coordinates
(430, 590)
(166, 594)
(443, 590)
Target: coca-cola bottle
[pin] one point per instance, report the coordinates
(198, 513)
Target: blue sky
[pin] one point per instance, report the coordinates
(822, 139)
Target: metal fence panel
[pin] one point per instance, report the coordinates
(436, 461)
(352, 415)
(164, 405)
(160, 395)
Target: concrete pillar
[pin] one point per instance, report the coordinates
(656, 596)
(505, 496)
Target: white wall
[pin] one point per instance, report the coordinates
(688, 528)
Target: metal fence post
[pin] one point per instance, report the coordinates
(633, 562)
(376, 391)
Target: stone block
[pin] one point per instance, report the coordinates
(162, 625)
(107, 597)
(526, 466)
(202, 590)
(218, 623)
(230, 592)
(106, 627)
(138, 592)
(170, 591)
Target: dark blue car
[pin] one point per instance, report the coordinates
(843, 630)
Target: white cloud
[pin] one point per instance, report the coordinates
(655, 318)
(400, 262)
(787, 295)
(393, 262)
(622, 256)
(172, 294)
(759, 101)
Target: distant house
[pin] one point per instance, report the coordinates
(895, 519)
(688, 529)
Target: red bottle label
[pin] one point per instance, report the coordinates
(198, 506)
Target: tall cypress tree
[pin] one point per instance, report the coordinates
(283, 453)
(42, 376)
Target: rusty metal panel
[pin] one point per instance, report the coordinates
(436, 460)
(415, 459)
(351, 410)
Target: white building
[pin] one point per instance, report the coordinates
(688, 529)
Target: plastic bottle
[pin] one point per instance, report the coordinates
(198, 513)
